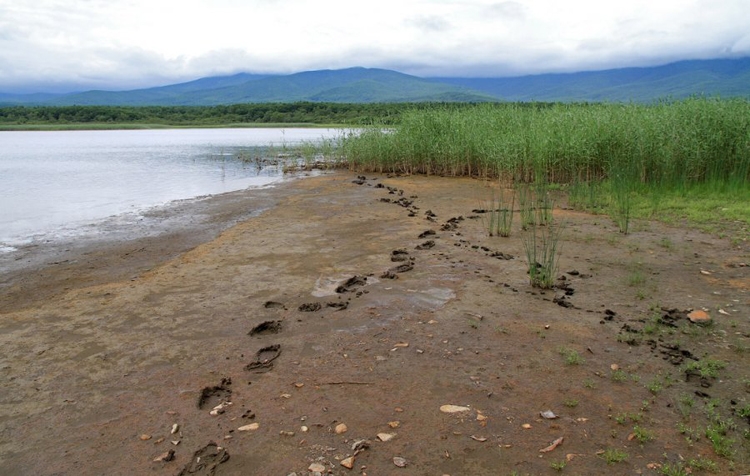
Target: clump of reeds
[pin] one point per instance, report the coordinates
(499, 213)
(542, 247)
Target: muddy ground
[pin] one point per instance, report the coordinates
(373, 304)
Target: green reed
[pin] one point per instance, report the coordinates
(608, 155)
(672, 144)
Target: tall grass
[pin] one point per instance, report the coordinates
(664, 146)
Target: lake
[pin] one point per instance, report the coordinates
(54, 183)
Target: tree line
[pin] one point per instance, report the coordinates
(255, 113)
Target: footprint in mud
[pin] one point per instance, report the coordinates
(264, 359)
(400, 255)
(310, 307)
(266, 327)
(274, 305)
(394, 272)
(351, 284)
(206, 460)
(451, 224)
(426, 245)
(426, 233)
(216, 395)
(339, 306)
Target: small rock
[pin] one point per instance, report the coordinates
(526, 426)
(304, 429)
(401, 344)
(286, 433)
(481, 417)
(548, 414)
(341, 428)
(481, 439)
(453, 409)
(706, 273)
(175, 442)
(175, 428)
(299, 385)
(250, 427)
(145, 437)
(394, 424)
(168, 456)
(348, 463)
(386, 436)
(399, 461)
(699, 317)
(316, 468)
(614, 367)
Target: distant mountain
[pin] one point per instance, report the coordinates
(344, 85)
(724, 77)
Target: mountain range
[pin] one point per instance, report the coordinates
(719, 77)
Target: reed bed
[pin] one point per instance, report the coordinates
(670, 145)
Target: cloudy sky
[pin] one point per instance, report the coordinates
(124, 44)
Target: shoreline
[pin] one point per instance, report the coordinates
(158, 234)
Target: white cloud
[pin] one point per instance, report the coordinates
(118, 44)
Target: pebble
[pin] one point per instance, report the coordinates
(316, 468)
(394, 424)
(453, 409)
(548, 414)
(386, 436)
(348, 462)
(341, 428)
(145, 437)
(699, 317)
(286, 433)
(399, 461)
(526, 426)
(251, 426)
(168, 456)
(304, 429)
(175, 428)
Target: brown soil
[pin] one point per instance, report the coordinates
(332, 306)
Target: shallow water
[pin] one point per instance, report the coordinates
(55, 183)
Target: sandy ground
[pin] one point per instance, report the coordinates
(240, 334)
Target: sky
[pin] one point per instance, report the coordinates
(67, 45)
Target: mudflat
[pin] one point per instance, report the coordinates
(349, 324)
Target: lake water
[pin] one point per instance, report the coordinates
(55, 182)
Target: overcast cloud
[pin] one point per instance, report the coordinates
(59, 45)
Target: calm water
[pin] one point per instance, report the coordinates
(54, 182)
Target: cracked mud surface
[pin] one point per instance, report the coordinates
(386, 309)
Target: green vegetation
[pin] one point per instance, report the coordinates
(613, 455)
(499, 216)
(705, 368)
(19, 117)
(679, 160)
(571, 356)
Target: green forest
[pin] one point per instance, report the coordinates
(209, 116)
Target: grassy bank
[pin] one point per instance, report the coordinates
(640, 159)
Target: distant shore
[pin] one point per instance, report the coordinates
(131, 126)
